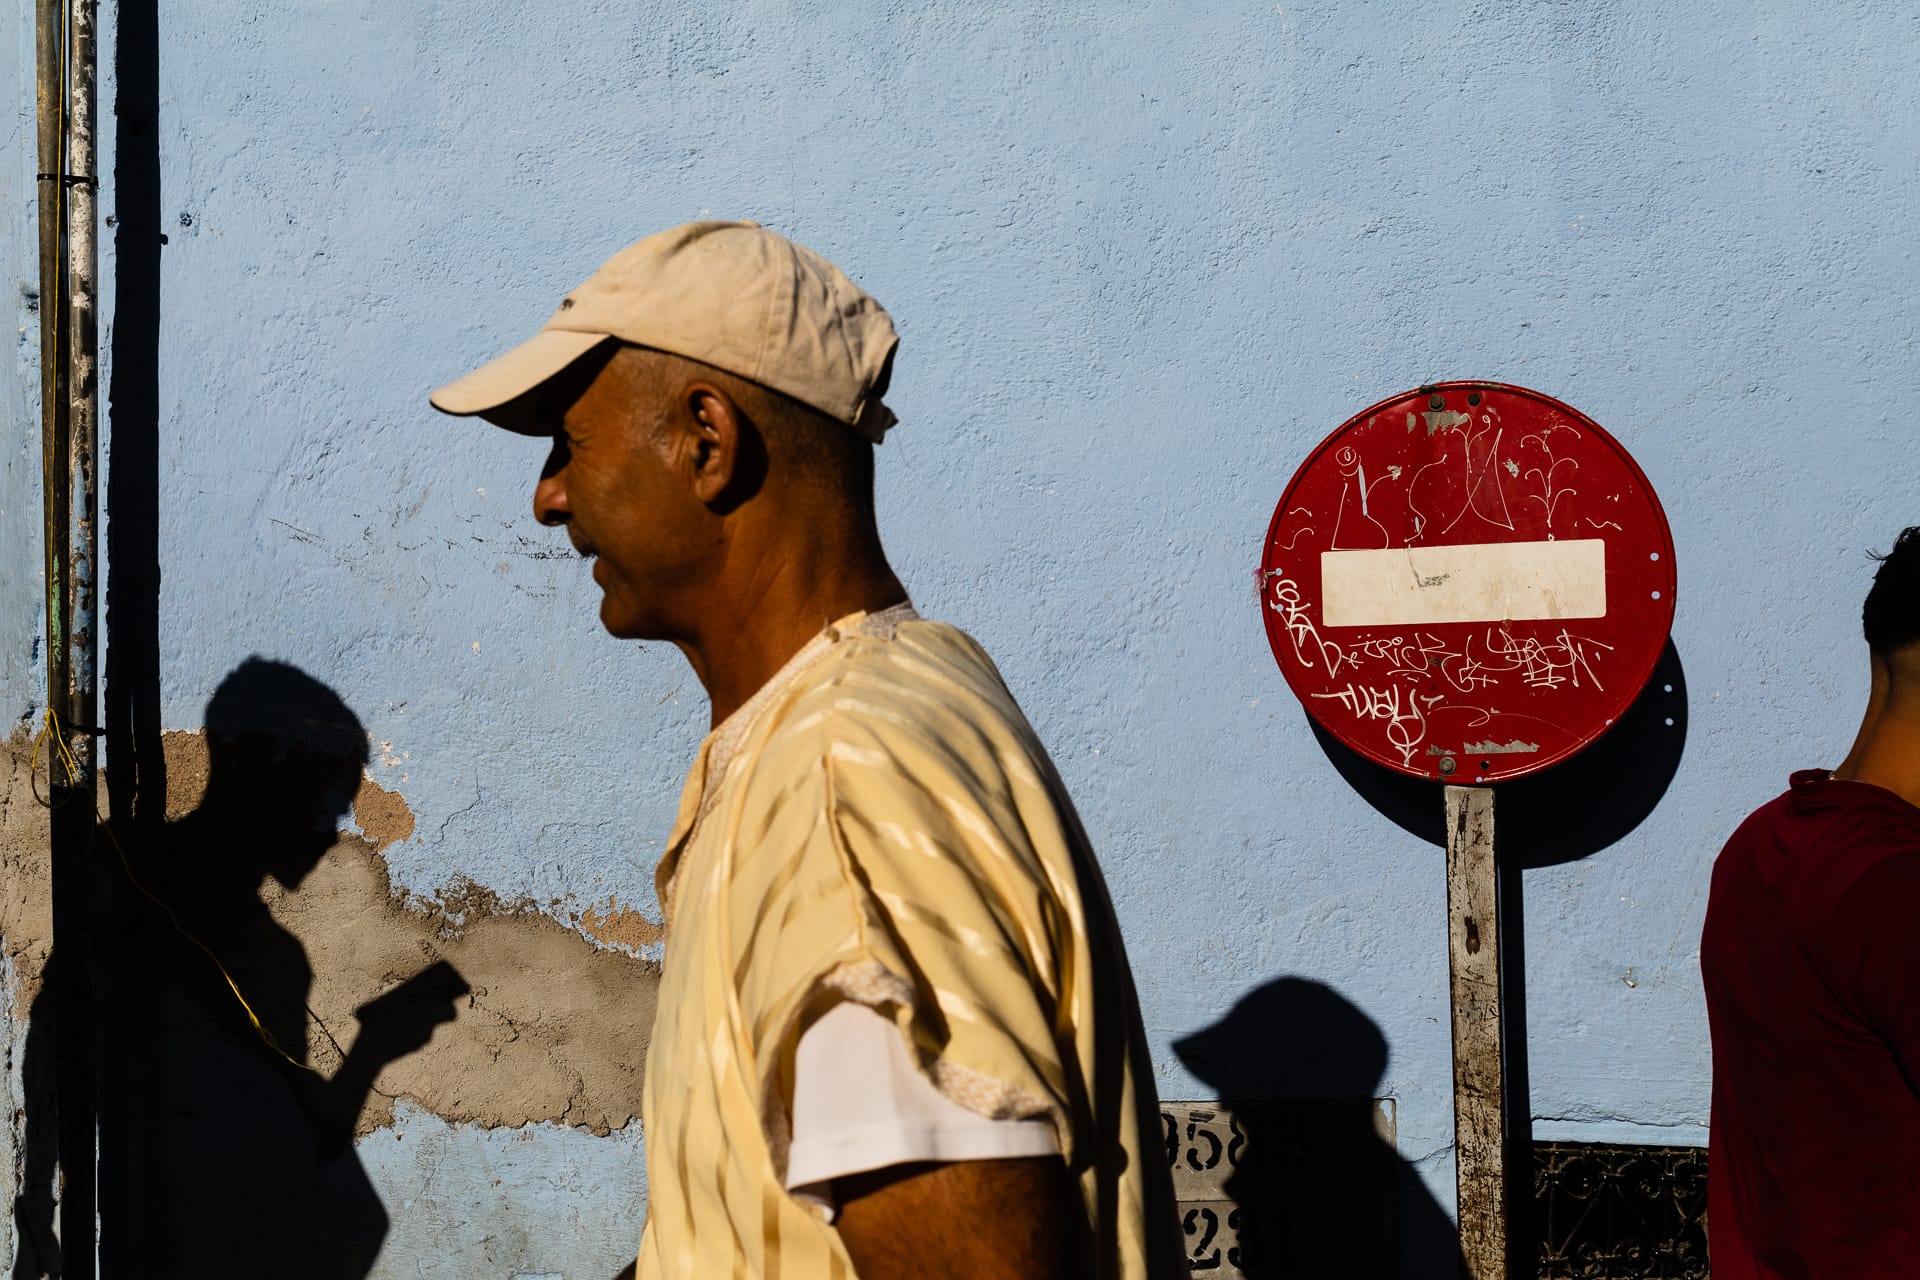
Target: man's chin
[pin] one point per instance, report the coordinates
(623, 624)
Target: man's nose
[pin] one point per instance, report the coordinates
(550, 501)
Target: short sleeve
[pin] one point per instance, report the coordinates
(919, 895)
(1874, 953)
(860, 1102)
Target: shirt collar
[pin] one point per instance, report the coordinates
(718, 749)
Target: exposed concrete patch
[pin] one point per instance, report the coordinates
(383, 815)
(26, 905)
(554, 1027)
(620, 927)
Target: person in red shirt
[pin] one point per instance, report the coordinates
(1811, 959)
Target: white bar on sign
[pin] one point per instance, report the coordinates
(1478, 582)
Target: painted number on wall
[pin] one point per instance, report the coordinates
(1291, 1189)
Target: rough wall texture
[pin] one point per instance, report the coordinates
(26, 930)
(26, 908)
(543, 1034)
(1142, 259)
(22, 571)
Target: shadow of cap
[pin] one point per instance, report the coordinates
(261, 698)
(1289, 1039)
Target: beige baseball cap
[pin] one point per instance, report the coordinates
(730, 294)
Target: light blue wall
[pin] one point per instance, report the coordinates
(23, 677)
(1142, 258)
(530, 1203)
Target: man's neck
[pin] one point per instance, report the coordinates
(770, 604)
(1886, 753)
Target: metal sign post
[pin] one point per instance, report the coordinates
(1479, 1081)
(1469, 583)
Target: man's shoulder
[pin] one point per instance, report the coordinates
(920, 681)
(915, 716)
(1838, 829)
(1762, 828)
(1751, 876)
(1808, 847)
(1819, 824)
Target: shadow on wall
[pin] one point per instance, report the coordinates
(1326, 1185)
(220, 1157)
(1565, 813)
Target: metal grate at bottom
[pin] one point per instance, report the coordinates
(1605, 1212)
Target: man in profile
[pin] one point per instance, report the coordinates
(1811, 958)
(896, 1034)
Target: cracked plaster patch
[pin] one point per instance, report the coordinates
(553, 1028)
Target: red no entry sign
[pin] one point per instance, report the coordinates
(1468, 582)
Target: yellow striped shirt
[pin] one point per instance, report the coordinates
(880, 824)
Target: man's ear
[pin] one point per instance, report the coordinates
(723, 453)
(714, 427)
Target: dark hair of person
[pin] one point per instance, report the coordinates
(1891, 617)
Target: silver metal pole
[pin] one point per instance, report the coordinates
(83, 385)
(75, 883)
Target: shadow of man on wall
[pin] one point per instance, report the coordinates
(224, 1152)
(1317, 1185)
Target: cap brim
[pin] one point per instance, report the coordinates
(498, 382)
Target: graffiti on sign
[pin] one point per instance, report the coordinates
(1468, 582)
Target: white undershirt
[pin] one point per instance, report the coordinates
(860, 1103)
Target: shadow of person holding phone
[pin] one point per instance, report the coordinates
(224, 1152)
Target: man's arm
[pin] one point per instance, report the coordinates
(1018, 1219)
(1010, 1219)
